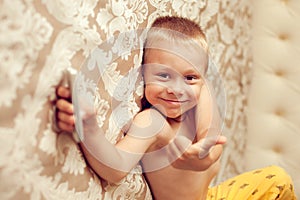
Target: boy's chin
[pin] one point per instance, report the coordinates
(175, 116)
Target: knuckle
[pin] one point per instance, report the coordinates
(61, 125)
(64, 105)
(60, 104)
(187, 155)
(65, 127)
(60, 115)
(69, 119)
(62, 92)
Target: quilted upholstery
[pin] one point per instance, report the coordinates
(274, 110)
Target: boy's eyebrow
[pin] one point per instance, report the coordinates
(194, 71)
(200, 69)
(158, 65)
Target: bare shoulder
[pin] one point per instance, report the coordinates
(147, 123)
(148, 117)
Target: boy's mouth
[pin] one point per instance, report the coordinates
(174, 101)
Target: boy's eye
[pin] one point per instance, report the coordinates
(191, 78)
(164, 75)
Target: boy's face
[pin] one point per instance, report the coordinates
(172, 84)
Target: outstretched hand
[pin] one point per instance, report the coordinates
(189, 159)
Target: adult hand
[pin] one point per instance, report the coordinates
(64, 112)
(189, 159)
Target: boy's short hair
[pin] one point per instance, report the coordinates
(179, 25)
(177, 31)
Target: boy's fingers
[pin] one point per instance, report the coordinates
(182, 143)
(63, 92)
(65, 127)
(65, 106)
(216, 152)
(66, 118)
(222, 140)
(177, 147)
(173, 152)
(206, 144)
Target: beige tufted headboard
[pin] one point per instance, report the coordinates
(274, 98)
(39, 39)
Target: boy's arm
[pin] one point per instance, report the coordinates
(113, 162)
(208, 121)
(200, 156)
(107, 161)
(207, 116)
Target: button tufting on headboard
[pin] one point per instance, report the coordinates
(284, 1)
(274, 99)
(279, 112)
(277, 149)
(283, 36)
(279, 72)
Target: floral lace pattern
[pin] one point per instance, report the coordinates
(40, 39)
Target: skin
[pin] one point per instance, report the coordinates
(189, 160)
(66, 120)
(177, 92)
(180, 97)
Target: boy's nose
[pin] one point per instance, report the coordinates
(176, 87)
